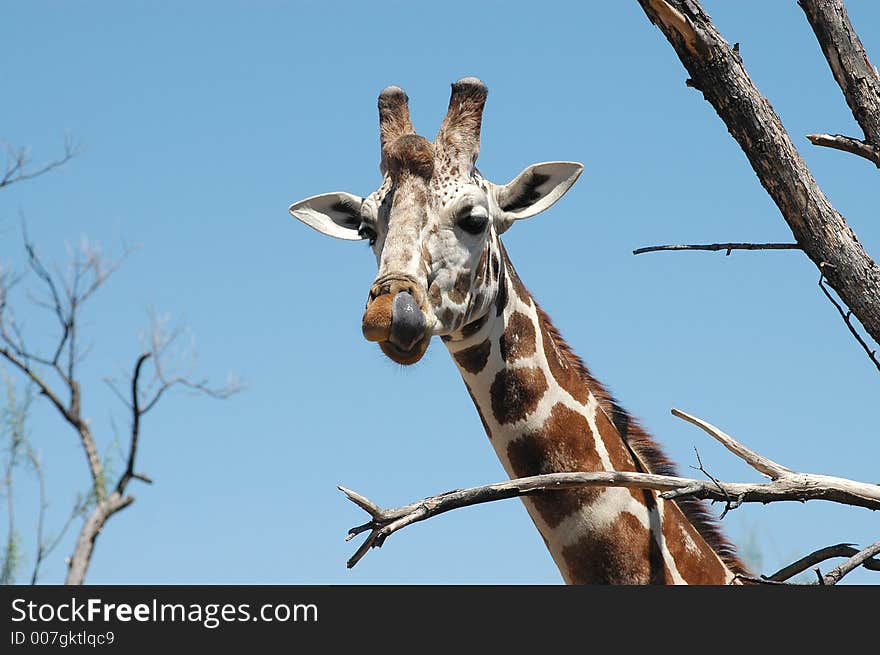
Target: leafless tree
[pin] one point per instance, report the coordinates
(52, 371)
(716, 69)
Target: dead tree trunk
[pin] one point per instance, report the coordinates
(716, 69)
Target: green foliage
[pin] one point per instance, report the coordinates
(16, 450)
(11, 562)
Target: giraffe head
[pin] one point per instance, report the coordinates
(433, 223)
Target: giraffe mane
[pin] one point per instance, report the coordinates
(647, 452)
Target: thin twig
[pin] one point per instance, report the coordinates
(17, 163)
(846, 316)
(728, 247)
(729, 503)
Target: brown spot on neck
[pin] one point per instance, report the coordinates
(562, 368)
(518, 287)
(518, 339)
(620, 553)
(515, 393)
(564, 443)
(473, 359)
(699, 565)
(501, 295)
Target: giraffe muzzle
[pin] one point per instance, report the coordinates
(407, 322)
(395, 320)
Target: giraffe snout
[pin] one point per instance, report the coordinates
(407, 322)
(394, 318)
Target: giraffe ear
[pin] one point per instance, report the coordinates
(534, 190)
(335, 214)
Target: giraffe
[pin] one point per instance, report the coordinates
(434, 225)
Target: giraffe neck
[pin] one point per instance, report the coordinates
(544, 413)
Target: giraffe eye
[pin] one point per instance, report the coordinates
(474, 221)
(366, 232)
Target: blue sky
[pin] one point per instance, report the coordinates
(201, 122)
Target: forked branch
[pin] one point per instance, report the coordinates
(18, 165)
(854, 74)
(822, 555)
(785, 485)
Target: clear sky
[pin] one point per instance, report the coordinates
(202, 121)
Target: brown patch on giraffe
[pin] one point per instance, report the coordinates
(479, 411)
(474, 358)
(461, 287)
(562, 370)
(650, 457)
(447, 317)
(564, 443)
(515, 393)
(519, 287)
(495, 266)
(518, 339)
(501, 295)
(619, 553)
(697, 565)
(434, 295)
(618, 453)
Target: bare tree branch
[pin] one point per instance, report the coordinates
(136, 414)
(18, 159)
(785, 485)
(758, 462)
(852, 70)
(834, 575)
(819, 556)
(847, 319)
(847, 144)
(716, 69)
(720, 246)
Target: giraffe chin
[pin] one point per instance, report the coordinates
(406, 357)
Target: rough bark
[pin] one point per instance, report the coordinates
(716, 69)
(849, 63)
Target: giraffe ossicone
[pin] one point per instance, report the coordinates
(434, 225)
